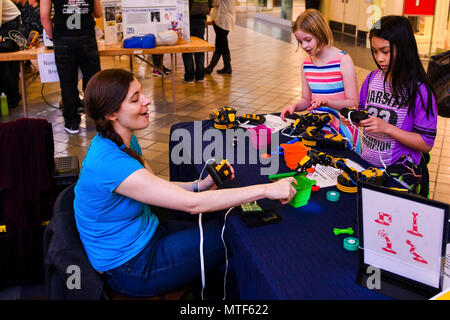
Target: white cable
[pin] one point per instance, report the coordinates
(202, 260)
(362, 132)
(200, 227)
(226, 255)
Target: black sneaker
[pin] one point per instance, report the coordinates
(72, 129)
(167, 70)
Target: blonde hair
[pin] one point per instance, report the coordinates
(312, 21)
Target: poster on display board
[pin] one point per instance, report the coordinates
(112, 21)
(404, 236)
(142, 17)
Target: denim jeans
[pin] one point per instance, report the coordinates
(197, 29)
(72, 52)
(170, 260)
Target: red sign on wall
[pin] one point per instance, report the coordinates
(419, 7)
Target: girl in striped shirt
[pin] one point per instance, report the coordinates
(401, 128)
(328, 73)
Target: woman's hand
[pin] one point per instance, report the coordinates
(282, 190)
(209, 184)
(375, 125)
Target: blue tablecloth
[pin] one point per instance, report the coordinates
(297, 258)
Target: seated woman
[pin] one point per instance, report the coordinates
(121, 235)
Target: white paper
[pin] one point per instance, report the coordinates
(327, 176)
(272, 122)
(47, 68)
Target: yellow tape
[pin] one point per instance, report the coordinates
(3, 227)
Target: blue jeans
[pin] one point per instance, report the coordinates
(197, 29)
(170, 260)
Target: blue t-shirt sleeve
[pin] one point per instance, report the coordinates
(117, 166)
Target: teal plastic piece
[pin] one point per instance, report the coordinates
(351, 244)
(333, 196)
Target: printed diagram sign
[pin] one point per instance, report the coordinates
(403, 236)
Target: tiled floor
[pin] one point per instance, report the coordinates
(266, 78)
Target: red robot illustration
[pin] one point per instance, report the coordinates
(415, 228)
(417, 257)
(388, 247)
(384, 219)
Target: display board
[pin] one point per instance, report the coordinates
(112, 21)
(403, 235)
(142, 17)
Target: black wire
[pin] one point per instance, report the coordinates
(45, 100)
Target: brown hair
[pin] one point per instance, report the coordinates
(312, 21)
(104, 94)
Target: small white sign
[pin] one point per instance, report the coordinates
(47, 68)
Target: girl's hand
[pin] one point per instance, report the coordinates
(345, 121)
(375, 125)
(209, 184)
(317, 103)
(288, 111)
(282, 190)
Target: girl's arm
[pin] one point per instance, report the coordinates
(350, 88)
(305, 101)
(410, 139)
(145, 187)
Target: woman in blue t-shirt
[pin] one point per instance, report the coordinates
(121, 235)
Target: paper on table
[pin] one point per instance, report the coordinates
(273, 122)
(327, 176)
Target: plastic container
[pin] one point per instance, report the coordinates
(4, 105)
(293, 153)
(260, 136)
(303, 194)
(303, 187)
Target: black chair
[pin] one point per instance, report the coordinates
(65, 257)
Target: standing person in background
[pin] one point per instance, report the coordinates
(9, 70)
(31, 18)
(198, 9)
(75, 46)
(223, 15)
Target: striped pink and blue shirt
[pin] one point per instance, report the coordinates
(325, 81)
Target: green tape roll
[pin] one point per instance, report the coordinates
(333, 196)
(351, 244)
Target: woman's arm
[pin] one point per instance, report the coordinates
(410, 139)
(148, 188)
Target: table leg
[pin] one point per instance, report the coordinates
(131, 64)
(23, 90)
(173, 77)
(162, 85)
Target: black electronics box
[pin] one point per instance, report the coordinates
(67, 170)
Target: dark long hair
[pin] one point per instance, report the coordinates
(405, 66)
(104, 94)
